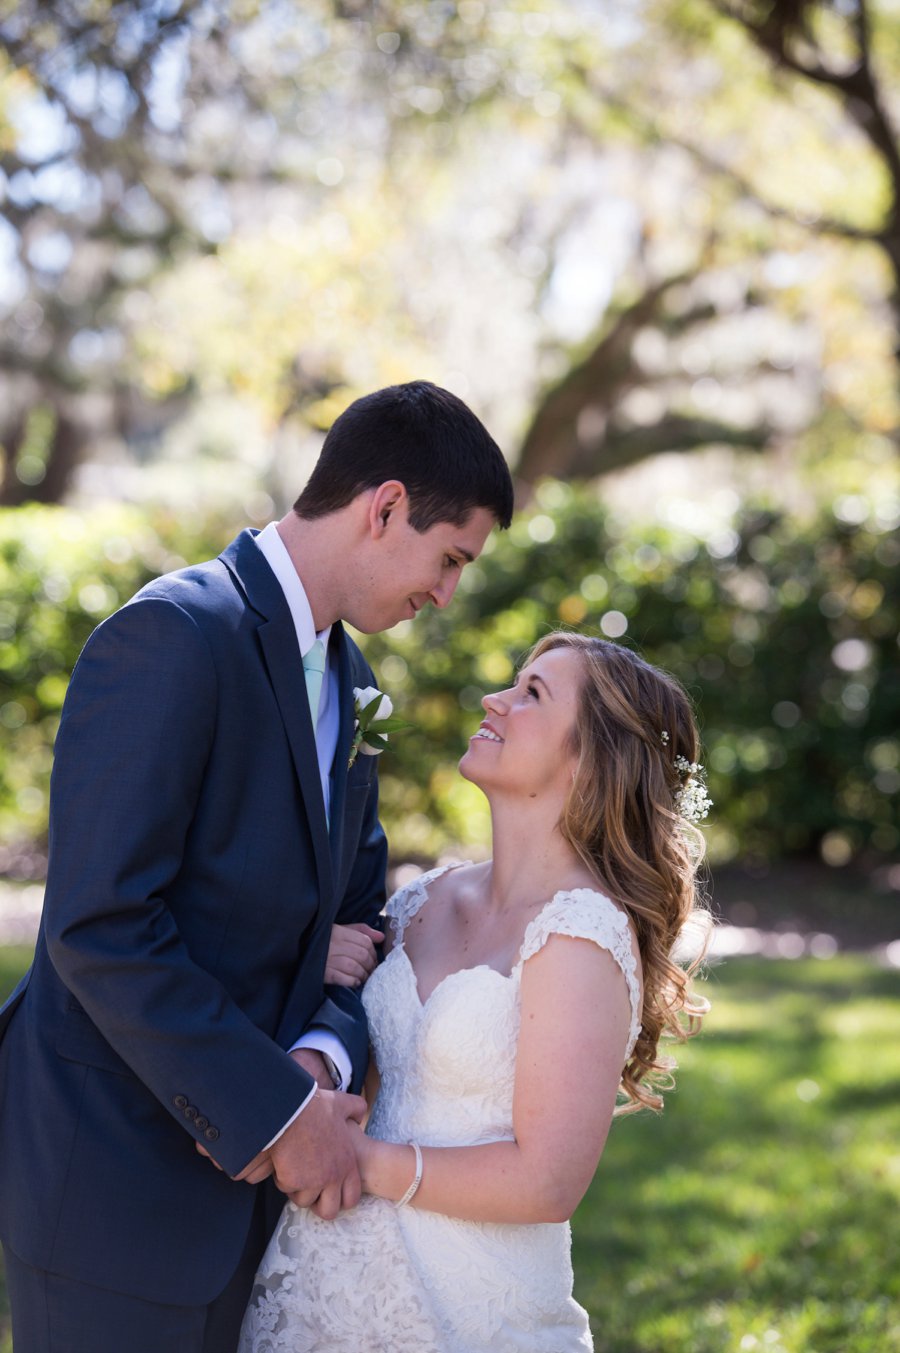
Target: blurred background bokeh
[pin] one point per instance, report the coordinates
(655, 244)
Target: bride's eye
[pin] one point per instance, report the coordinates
(532, 690)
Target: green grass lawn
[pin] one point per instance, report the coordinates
(760, 1211)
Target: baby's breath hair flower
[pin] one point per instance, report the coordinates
(692, 800)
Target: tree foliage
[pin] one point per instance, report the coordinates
(92, 210)
(617, 231)
(785, 638)
(61, 573)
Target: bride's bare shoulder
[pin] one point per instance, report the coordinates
(458, 881)
(453, 887)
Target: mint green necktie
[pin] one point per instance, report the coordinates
(314, 671)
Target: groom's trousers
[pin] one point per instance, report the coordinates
(52, 1314)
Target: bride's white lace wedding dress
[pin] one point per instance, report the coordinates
(380, 1279)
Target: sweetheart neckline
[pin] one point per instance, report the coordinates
(617, 917)
(478, 967)
(457, 972)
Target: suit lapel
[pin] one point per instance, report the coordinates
(340, 651)
(278, 640)
(295, 1013)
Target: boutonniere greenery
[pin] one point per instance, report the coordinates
(374, 713)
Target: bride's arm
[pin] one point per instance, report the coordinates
(569, 1059)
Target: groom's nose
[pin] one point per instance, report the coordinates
(442, 593)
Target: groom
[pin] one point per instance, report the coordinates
(205, 833)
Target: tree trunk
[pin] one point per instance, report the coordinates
(61, 460)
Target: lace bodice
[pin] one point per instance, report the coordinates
(447, 1066)
(411, 1281)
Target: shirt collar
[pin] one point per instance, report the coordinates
(281, 564)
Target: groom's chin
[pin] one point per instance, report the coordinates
(369, 624)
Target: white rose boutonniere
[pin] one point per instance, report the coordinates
(374, 721)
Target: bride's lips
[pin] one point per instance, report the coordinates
(483, 728)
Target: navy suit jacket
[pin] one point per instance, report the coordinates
(192, 884)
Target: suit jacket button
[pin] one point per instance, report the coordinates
(200, 1122)
(211, 1134)
(190, 1113)
(181, 1101)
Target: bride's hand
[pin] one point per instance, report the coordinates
(351, 954)
(364, 1148)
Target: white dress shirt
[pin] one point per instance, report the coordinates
(328, 722)
(327, 728)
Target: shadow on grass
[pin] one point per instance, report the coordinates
(843, 979)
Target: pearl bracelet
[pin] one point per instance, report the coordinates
(411, 1191)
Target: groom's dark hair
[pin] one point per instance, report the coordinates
(426, 438)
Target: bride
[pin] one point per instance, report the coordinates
(519, 998)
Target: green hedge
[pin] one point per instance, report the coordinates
(61, 572)
(786, 636)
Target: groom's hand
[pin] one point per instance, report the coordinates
(314, 1063)
(314, 1161)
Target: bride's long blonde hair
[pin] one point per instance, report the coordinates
(622, 818)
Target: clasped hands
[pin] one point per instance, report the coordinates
(315, 1160)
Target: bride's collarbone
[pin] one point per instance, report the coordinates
(464, 933)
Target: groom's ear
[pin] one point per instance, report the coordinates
(387, 500)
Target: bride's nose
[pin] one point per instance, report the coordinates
(493, 703)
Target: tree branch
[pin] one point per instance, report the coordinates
(675, 432)
(552, 444)
(857, 87)
(822, 225)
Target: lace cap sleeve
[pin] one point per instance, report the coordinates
(587, 915)
(406, 901)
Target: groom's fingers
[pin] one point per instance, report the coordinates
(304, 1197)
(351, 1192)
(333, 1199)
(256, 1171)
(314, 1156)
(258, 1175)
(328, 1204)
(354, 1106)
